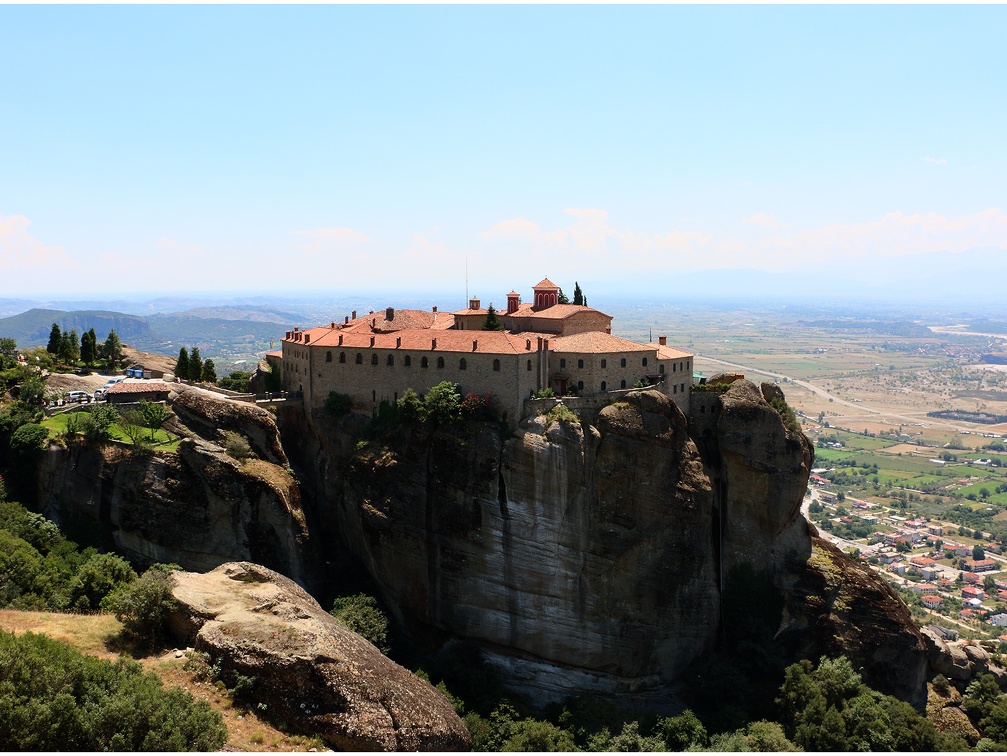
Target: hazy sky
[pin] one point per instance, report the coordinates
(188, 147)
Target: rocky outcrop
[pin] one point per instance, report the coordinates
(197, 508)
(210, 415)
(306, 668)
(960, 660)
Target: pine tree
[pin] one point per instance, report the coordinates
(209, 372)
(562, 299)
(89, 348)
(182, 364)
(54, 340)
(492, 322)
(112, 349)
(69, 347)
(578, 295)
(195, 365)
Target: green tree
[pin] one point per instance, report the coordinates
(154, 415)
(978, 552)
(562, 298)
(443, 402)
(144, 605)
(31, 391)
(238, 380)
(97, 424)
(182, 364)
(55, 339)
(492, 322)
(578, 295)
(195, 365)
(89, 348)
(682, 732)
(8, 347)
(361, 615)
(112, 350)
(69, 347)
(209, 372)
(96, 578)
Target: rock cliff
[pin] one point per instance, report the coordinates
(305, 667)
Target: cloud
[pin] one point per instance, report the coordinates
(936, 161)
(766, 220)
(171, 245)
(326, 238)
(21, 250)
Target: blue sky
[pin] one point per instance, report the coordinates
(253, 148)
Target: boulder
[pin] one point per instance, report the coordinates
(310, 671)
(978, 658)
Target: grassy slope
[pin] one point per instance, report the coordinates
(95, 635)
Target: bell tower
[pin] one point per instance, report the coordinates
(546, 294)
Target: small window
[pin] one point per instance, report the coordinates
(374, 396)
(462, 364)
(391, 360)
(360, 358)
(702, 409)
(407, 361)
(604, 386)
(674, 367)
(622, 363)
(342, 357)
(580, 385)
(580, 364)
(662, 369)
(683, 388)
(374, 359)
(604, 363)
(645, 362)
(496, 365)
(328, 356)
(674, 389)
(440, 362)
(529, 366)
(562, 363)
(424, 362)
(622, 384)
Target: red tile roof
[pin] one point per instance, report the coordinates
(596, 342)
(668, 353)
(401, 319)
(138, 387)
(545, 283)
(421, 339)
(556, 312)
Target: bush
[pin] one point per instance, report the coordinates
(786, 413)
(361, 615)
(237, 446)
(97, 578)
(143, 606)
(236, 381)
(53, 698)
(562, 413)
(337, 404)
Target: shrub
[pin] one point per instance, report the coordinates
(236, 381)
(790, 421)
(53, 698)
(96, 425)
(237, 446)
(443, 402)
(545, 393)
(562, 413)
(361, 615)
(96, 578)
(143, 606)
(337, 404)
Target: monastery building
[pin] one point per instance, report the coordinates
(568, 348)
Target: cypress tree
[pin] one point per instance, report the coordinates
(195, 365)
(112, 349)
(182, 364)
(55, 338)
(209, 372)
(492, 322)
(578, 295)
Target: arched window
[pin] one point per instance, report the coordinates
(360, 358)
(342, 357)
(496, 365)
(462, 364)
(645, 362)
(562, 363)
(529, 366)
(623, 384)
(328, 356)
(580, 364)
(604, 386)
(662, 368)
(580, 385)
(407, 361)
(391, 360)
(622, 363)
(702, 409)
(674, 367)
(424, 362)
(440, 362)
(604, 363)
(374, 358)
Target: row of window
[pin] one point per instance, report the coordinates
(675, 366)
(407, 361)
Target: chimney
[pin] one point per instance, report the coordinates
(435, 308)
(390, 313)
(398, 341)
(346, 319)
(433, 343)
(340, 340)
(475, 344)
(609, 330)
(332, 325)
(354, 315)
(662, 340)
(527, 345)
(473, 304)
(372, 341)
(307, 338)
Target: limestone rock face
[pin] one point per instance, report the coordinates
(209, 415)
(307, 668)
(198, 508)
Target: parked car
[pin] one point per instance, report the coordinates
(78, 397)
(98, 394)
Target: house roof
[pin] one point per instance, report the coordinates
(401, 319)
(596, 342)
(556, 312)
(422, 339)
(545, 283)
(668, 353)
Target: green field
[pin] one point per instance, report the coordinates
(163, 441)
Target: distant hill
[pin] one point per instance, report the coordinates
(248, 314)
(32, 328)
